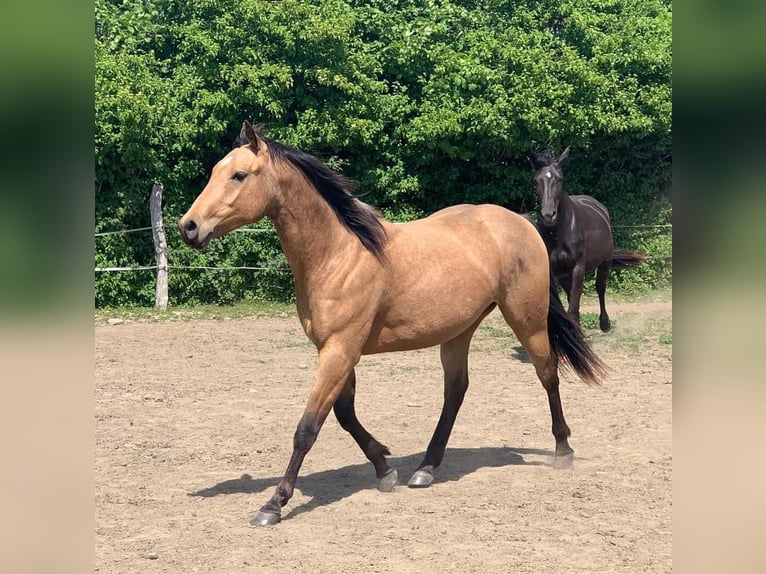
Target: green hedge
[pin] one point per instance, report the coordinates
(425, 103)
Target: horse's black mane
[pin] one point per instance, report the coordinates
(542, 159)
(337, 190)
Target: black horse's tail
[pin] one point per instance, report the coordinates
(568, 342)
(627, 258)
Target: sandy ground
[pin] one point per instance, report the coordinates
(194, 425)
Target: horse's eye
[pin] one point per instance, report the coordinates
(239, 176)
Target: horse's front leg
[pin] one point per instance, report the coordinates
(578, 276)
(333, 369)
(454, 356)
(373, 450)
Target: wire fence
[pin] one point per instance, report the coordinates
(659, 225)
(185, 267)
(270, 231)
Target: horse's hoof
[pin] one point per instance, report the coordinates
(421, 479)
(605, 324)
(265, 519)
(563, 460)
(389, 481)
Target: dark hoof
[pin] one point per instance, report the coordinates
(265, 519)
(563, 460)
(389, 481)
(421, 479)
(605, 324)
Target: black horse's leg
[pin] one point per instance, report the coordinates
(372, 449)
(578, 275)
(333, 370)
(454, 357)
(602, 276)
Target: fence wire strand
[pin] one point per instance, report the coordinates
(206, 267)
(261, 230)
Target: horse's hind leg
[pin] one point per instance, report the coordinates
(454, 357)
(602, 276)
(372, 449)
(533, 335)
(546, 366)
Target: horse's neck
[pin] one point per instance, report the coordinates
(559, 234)
(566, 210)
(308, 229)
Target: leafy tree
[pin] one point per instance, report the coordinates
(426, 103)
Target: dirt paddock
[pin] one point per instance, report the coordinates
(194, 425)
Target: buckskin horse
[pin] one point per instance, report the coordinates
(577, 233)
(364, 285)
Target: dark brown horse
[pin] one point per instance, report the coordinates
(578, 235)
(365, 286)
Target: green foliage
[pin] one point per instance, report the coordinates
(589, 321)
(657, 243)
(272, 280)
(426, 103)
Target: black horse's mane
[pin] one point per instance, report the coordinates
(337, 190)
(542, 159)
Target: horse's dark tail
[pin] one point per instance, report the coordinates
(568, 342)
(627, 258)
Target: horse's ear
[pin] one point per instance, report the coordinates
(564, 157)
(249, 135)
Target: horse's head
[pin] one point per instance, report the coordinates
(239, 191)
(549, 183)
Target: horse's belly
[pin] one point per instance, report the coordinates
(409, 337)
(425, 323)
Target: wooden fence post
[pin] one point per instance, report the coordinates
(160, 246)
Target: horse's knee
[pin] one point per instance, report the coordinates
(305, 434)
(574, 313)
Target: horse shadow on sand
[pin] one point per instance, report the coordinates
(520, 354)
(329, 486)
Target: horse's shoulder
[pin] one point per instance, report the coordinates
(594, 212)
(588, 200)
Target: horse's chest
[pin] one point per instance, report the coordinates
(562, 259)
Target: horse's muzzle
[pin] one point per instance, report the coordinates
(190, 233)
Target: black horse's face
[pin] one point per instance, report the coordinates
(549, 184)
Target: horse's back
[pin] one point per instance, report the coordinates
(591, 205)
(594, 223)
(484, 227)
(446, 270)
(487, 241)
(494, 219)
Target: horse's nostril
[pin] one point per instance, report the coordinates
(190, 225)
